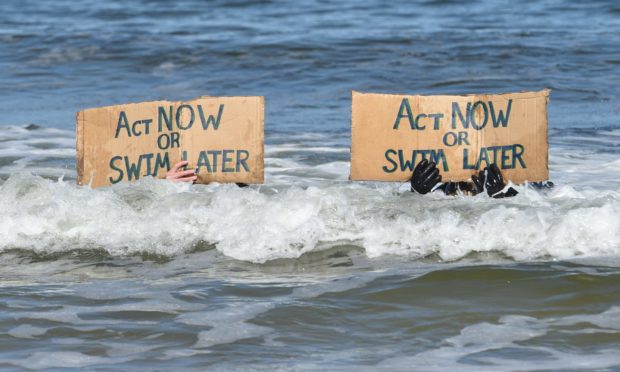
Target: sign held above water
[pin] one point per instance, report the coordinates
(390, 134)
(223, 137)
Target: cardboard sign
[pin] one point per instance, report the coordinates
(390, 134)
(221, 136)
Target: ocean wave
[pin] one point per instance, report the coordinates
(263, 223)
(306, 205)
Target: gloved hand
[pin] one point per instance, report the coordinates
(425, 177)
(491, 180)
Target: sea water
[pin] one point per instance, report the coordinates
(309, 270)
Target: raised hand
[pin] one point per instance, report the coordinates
(425, 177)
(491, 180)
(479, 181)
(178, 173)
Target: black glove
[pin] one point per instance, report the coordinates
(491, 179)
(425, 177)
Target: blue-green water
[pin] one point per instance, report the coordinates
(308, 271)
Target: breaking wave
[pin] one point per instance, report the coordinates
(305, 205)
(263, 223)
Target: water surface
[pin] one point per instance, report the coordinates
(308, 271)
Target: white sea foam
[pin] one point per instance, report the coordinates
(609, 319)
(65, 54)
(47, 152)
(60, 359)
(159, 217)
(229, 323)
(477, 342)
(27, 331)
(303, 207)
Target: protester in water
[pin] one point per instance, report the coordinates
(426, 178)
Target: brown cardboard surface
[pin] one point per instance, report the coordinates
(390, 134)
(114, 145)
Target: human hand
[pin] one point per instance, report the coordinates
(479, 181)
(491, 180)
(494, 182)
(178, 173)
(425, 177)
